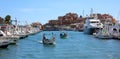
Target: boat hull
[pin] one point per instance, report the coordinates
(90, 31)
(63, 36)
(4, 46)
(4, 43)
(49, 41)
(102, 36)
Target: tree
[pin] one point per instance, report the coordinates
(1, 20)
(8, 19)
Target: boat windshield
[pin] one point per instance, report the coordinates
(94, 22)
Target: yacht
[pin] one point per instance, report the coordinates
(115, 31)
(92, 25)
(104, 33)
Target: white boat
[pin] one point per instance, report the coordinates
(115, 31)
(8, 35)
(92, 25)
(104, 33)
(4, 43)
(21, 34)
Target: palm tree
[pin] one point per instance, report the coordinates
(8, 19)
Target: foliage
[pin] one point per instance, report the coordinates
(8, 19)
(1, 20)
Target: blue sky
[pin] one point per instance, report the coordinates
(44, 10)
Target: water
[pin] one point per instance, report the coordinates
(76, 46)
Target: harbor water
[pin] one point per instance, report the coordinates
(76, 46)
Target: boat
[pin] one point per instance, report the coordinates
(63, 35)
(104, 33)
(47, 41)
(4, 43)
(115, 32)
(92, 25)
(8, 35)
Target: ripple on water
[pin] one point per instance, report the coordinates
(76, 46)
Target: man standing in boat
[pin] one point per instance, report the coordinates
(44, 38)
(53, 36)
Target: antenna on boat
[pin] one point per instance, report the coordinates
(26, 23)
(96, 17)
(83, 13)
(91, 12)
(15, 21)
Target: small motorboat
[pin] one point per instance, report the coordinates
(49, 41)
(46, 41)
(63, 35)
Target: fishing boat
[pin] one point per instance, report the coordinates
(47, 41)
(63, 35)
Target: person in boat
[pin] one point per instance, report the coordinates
(48, 41)
(65, 34)
(53, 36)
(60, 34)
(44, 38)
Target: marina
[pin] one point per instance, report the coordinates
(92, 39)
(64, 29)
(85, 38)
(77, 45)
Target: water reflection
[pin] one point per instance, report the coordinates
(49, 46)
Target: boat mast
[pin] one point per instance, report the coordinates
(83, 13)
(91, 12)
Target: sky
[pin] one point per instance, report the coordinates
(28, 11)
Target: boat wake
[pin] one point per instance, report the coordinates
(40, 42)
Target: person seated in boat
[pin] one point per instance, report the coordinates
(65, 34)
(60, 34)
(53, 36)
(45, 39)
(44, 36)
